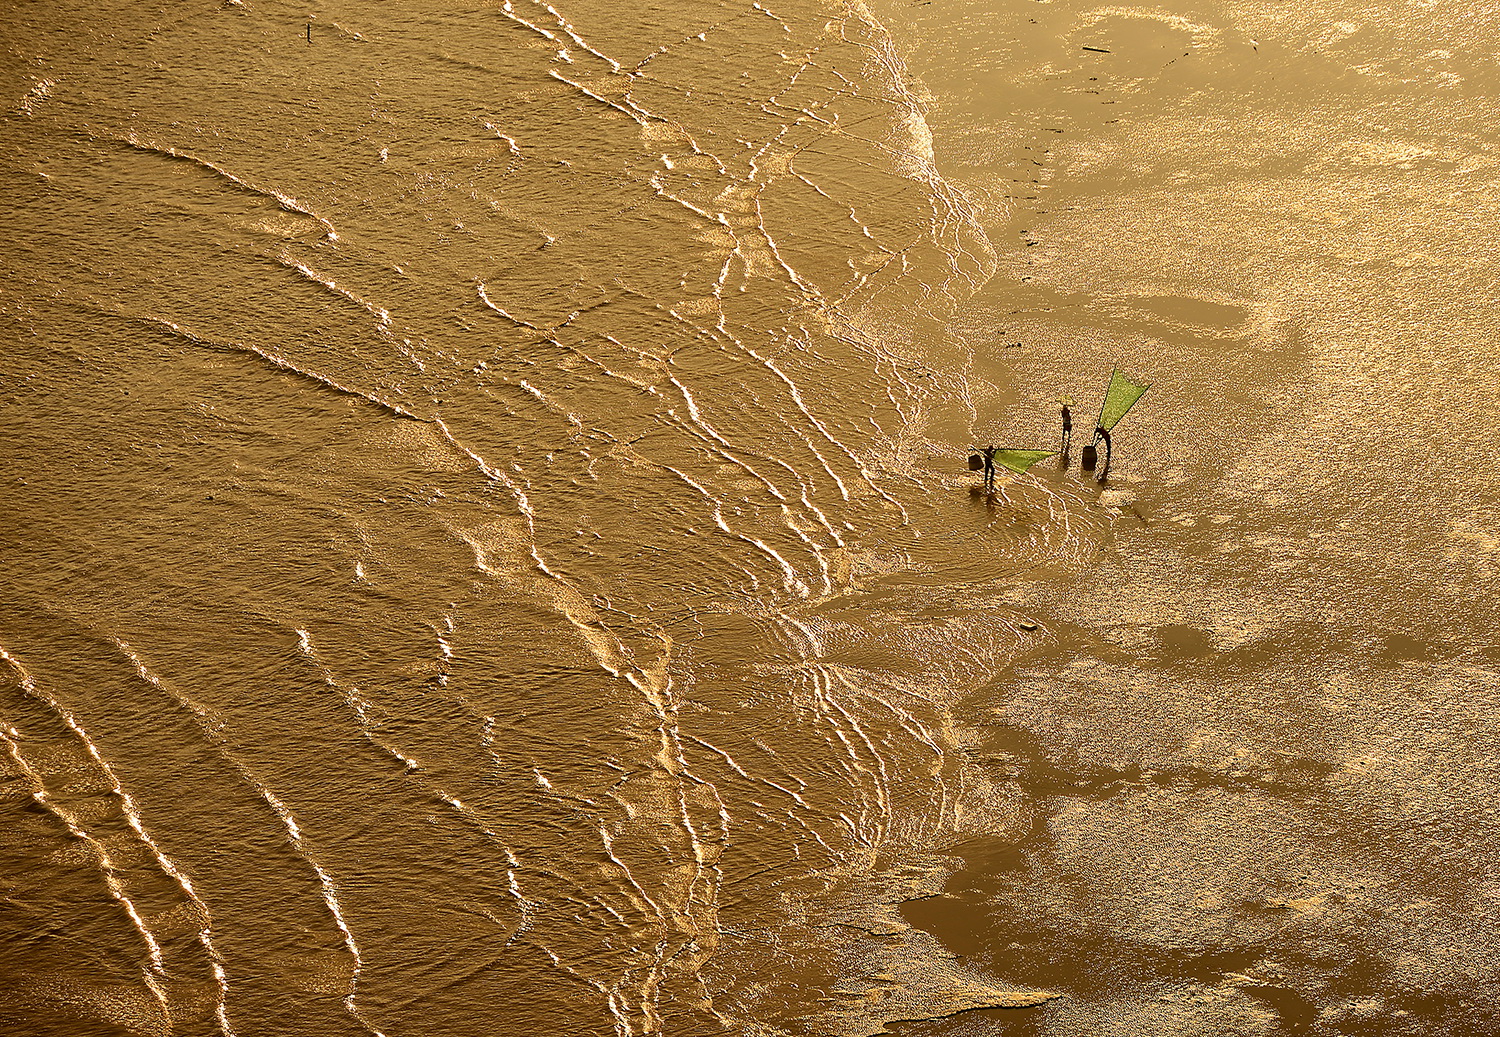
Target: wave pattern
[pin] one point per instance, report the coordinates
(505, 577)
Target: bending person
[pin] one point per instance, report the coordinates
(1101, 432)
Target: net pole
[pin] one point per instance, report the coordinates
(1104, 402)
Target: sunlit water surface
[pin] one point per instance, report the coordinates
(487, 546)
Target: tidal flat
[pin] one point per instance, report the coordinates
(488, 545)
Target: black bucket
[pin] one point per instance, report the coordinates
(1089, 459)
(975, 462)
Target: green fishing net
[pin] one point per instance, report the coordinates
(1020, 460)
(1120, 398)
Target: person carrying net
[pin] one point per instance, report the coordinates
(1011, 458)
(1119, 397)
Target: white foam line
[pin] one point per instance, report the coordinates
(568, 28)
(382, 316)
(792, 815)
(137, 824)
(814, 647)
(823, 461)
(469, 815)
(484, 298)
(330, 899)
(674, 761)
(509, 11)
(701, 422)
(286, 201)
(645, 898)
(107, 870)
(794, 796)
(511, 142)
(734, 766)
(843, 490)
(902, 717)
(808, 289)
(650, 988)
(756, 6)
(622, 1024)
(106, 863)
(819, 681)
(312, 376)
(655, 688)
(731, 454)
(630, 111)
(883, 781)
(722, 281)
(548, 404)
(722, 448)
(869, 275)
(855, 768)
(523, 904)
(472, 817)
(796, 396)
(816, 836)
(913, 726)
(856, 829)
(277, 807)
(789, 576)
(803, 484)
(824, 573)
(716, 218)
(822, 518)
(791, 166)
(325, 882)
(392, 408)
(494, 473)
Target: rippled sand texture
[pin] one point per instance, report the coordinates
(486, 547)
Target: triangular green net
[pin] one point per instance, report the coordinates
(1120, 398)
(1020, 460)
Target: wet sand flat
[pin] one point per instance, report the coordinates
(488, 543)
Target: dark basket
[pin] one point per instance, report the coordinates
(975, 462)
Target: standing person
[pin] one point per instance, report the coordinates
(1067, 427)
(989, 468)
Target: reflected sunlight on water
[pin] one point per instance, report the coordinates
(489, 543)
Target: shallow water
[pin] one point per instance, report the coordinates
(488, 545)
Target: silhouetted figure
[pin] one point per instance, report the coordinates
(989, 467)
(1103, 433)
(1067, 427)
